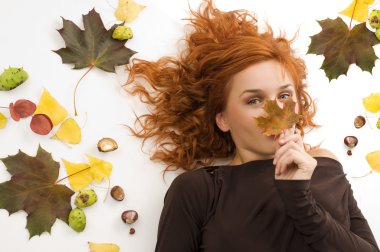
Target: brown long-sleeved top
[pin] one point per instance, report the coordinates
(243, 208)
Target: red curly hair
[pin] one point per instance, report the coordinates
(187, 92)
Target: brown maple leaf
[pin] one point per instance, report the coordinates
(92, 47)
(278, 118)
(33, 188)
(343, 47)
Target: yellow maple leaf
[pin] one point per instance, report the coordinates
(3, 121)
(100, 169)
(372, 102)
(128, 10)
(50, 107)
(359, 8)
(80, 175)
(103, 247)
(373, 159)
(68, 132)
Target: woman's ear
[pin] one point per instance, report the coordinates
(221, 121)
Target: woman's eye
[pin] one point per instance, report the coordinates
(287, 95)
(253, 101)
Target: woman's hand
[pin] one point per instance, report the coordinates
(291, 160)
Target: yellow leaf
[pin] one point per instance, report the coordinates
(3, 121)
(359, 8)
(127, 10)
(68, 132)
(50, 107)
(82, 177)
(103, 247)
(372, 102)
(373, 159)
(100, 169)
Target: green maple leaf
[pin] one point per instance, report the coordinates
(93, 46)
(343, 47)
(277, 118)
(33, 188)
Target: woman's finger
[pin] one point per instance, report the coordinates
(284, 148)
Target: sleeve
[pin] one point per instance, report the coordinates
(320, 230)
(183, 213)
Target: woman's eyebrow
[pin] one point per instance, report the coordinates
(261, 91)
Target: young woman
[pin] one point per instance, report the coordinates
(275, 193)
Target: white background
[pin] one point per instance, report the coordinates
(27, 37)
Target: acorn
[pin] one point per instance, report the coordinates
(129, 216)
(107, 144)
(117, 193)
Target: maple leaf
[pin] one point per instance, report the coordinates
(92, 47)
(343, 47)
(33, 188)
(278, 118)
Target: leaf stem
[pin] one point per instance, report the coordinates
(73, 174)
(75, 91)
(4, 107)
(366, 116)
(363, 175)
(352, 16)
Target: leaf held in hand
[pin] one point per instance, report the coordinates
(33, 188)
(373, 159)
(93, 46)
(3, 121)
(343, 47)
(21, 109)
(68, 132)
(128, 10)
(358, 10)
(49, 106)
(278, 118)
(372, 102)
(41, 124)
(103, 247)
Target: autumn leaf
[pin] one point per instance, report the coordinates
(69, 132)
(21, 109)
(41, 124)
(80, 175)
(3, 121)
(33, 188)
(92, 47)
(128, 10)
(372, 102)
(278, 118)
(343, 47)
(49, 106)
(373, 159)
(357, 10)
(103, 247)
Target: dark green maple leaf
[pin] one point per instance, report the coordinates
(93, 46)
(343, 47)
(277, 118)
(33, 188)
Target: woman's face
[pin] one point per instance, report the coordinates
(248, 91)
